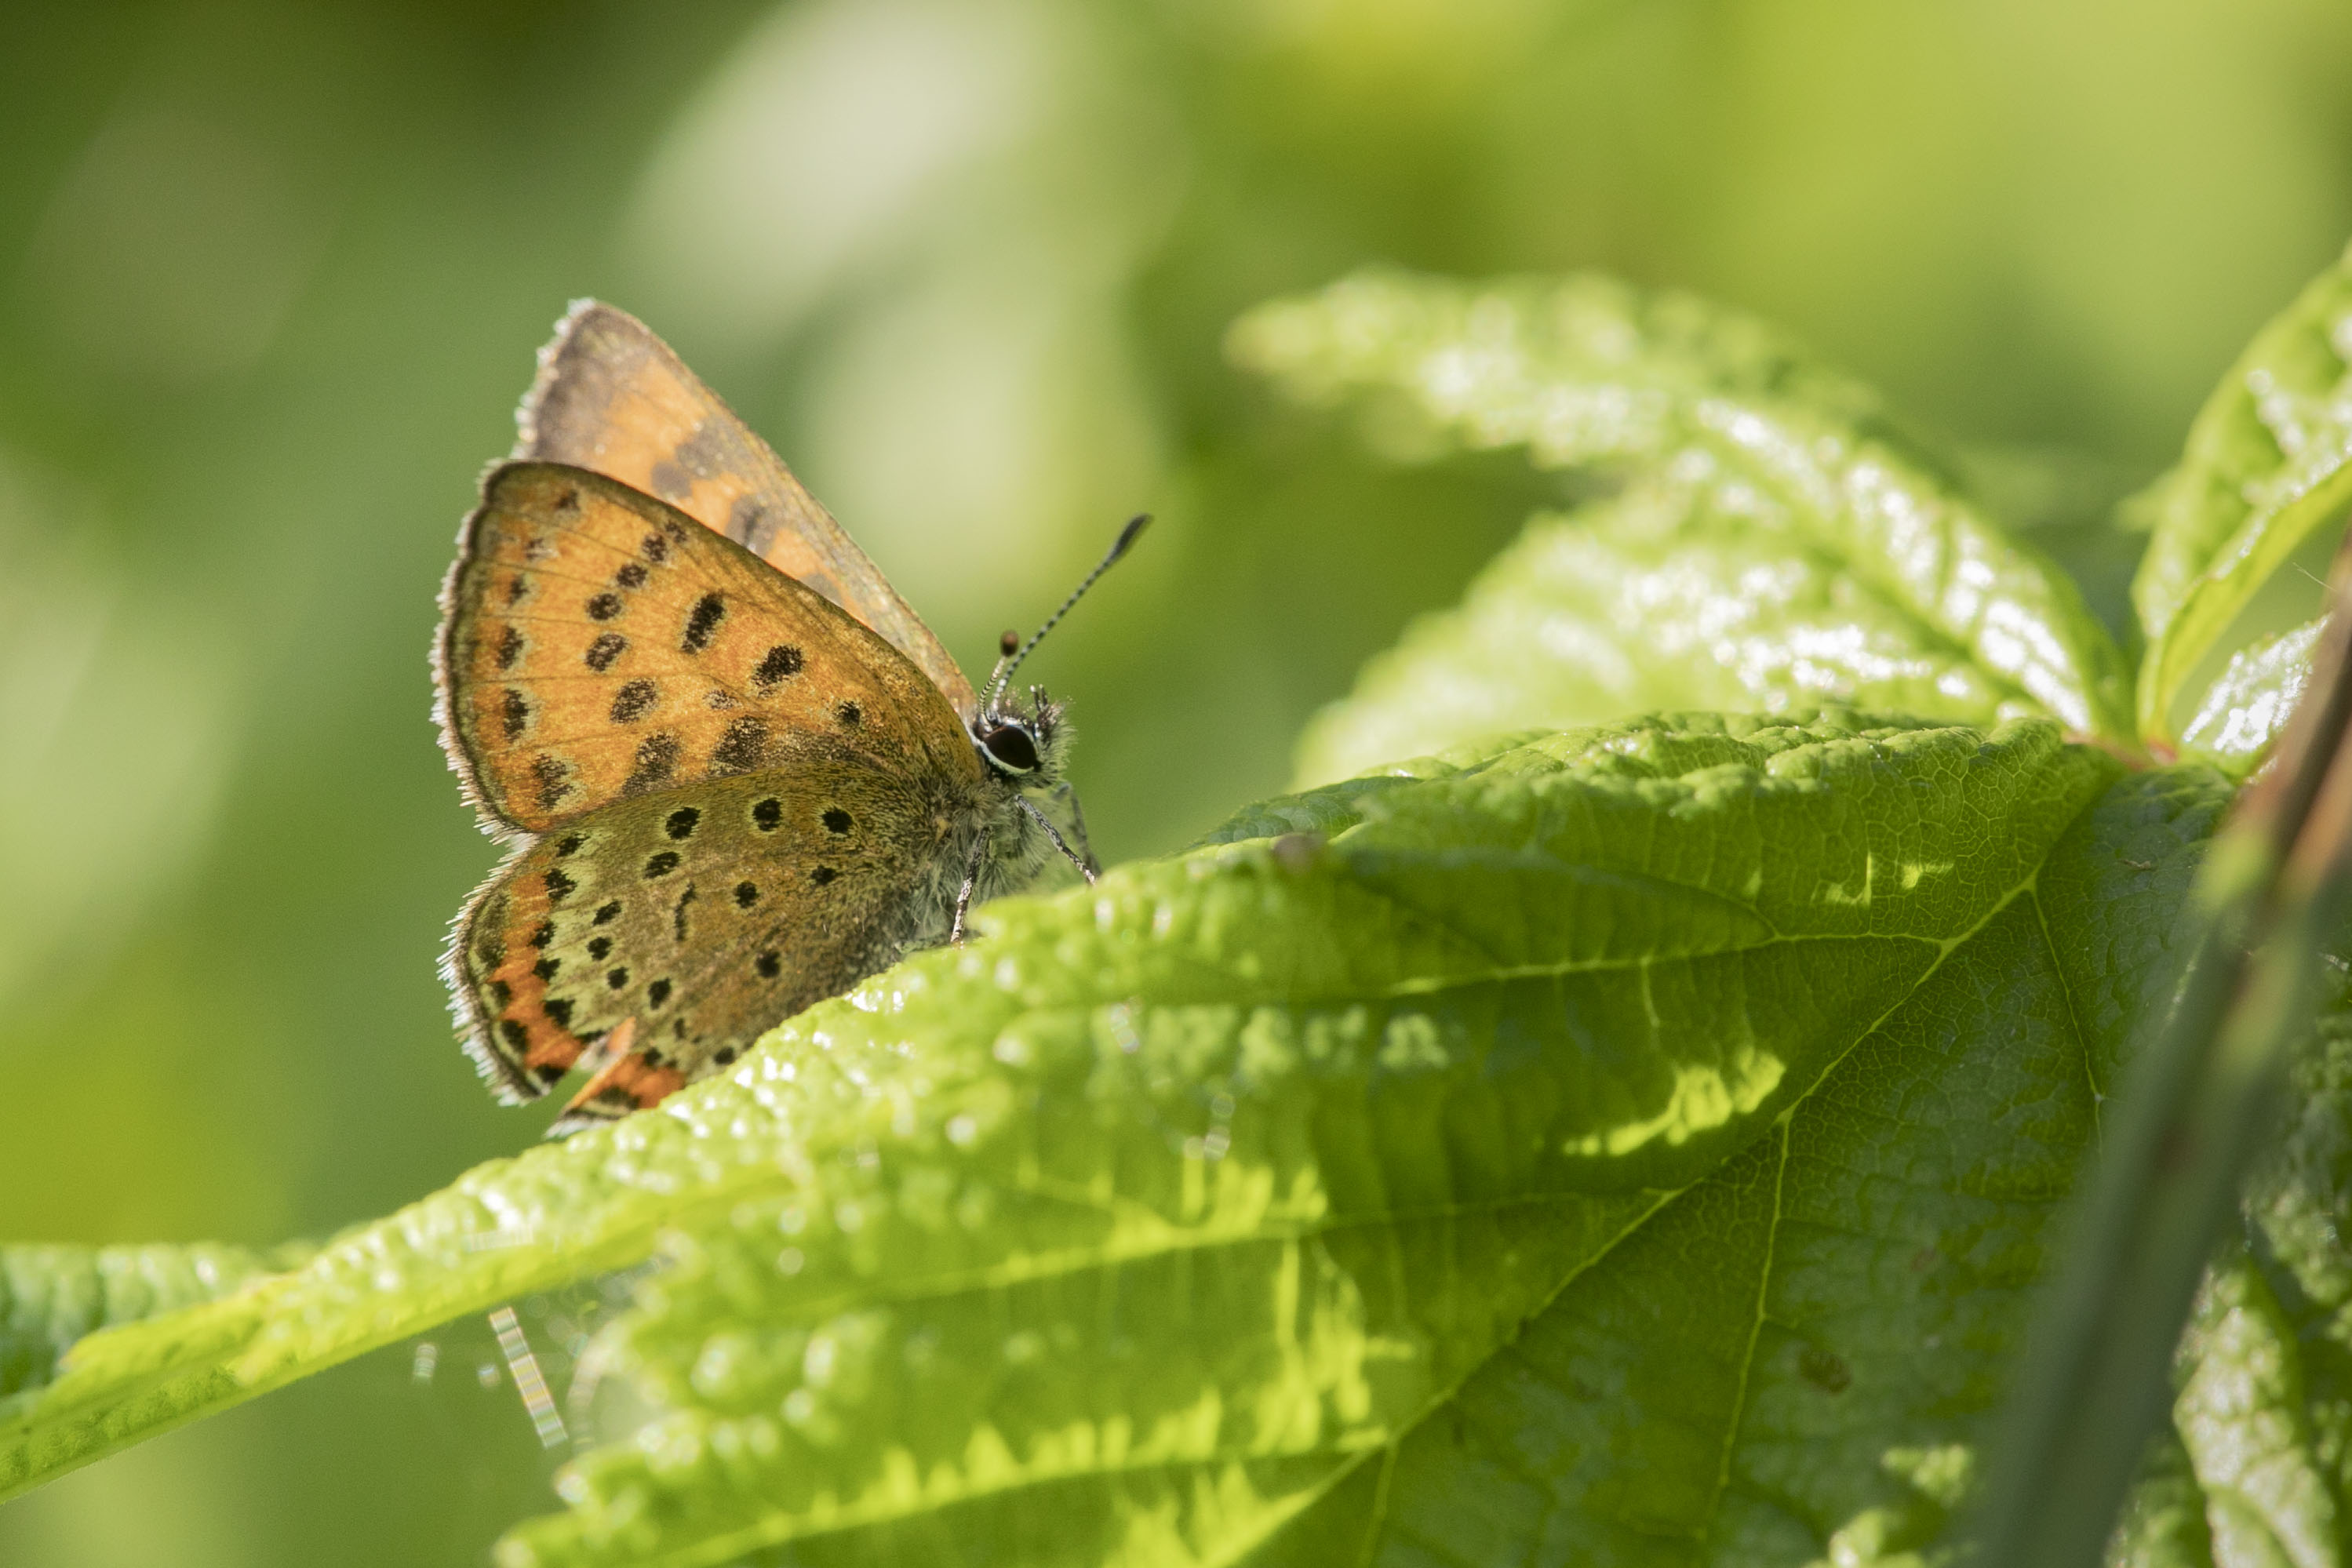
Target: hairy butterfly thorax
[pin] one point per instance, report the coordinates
(742, 773)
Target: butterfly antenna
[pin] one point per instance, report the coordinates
(1012, 657)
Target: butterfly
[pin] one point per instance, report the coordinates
(740, 774)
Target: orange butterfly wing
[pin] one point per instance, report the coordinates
(611, 397)
(597, 645)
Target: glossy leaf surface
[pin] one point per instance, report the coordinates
(1693, 593)
(2267, 466)
(1586, 371)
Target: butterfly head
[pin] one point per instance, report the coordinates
(1027, 748)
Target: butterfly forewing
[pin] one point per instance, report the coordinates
(613, 398)
(599, 646)
(699, 917)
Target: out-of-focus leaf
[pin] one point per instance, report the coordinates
(2256, 1470)
(1583, 370)
(2249, 705)
(1690, 594)
(2163, 1523)
(2244, 1419)
(2268, 463)
(51, 1297)
(2070, 506)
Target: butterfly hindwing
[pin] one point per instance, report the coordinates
(613, 398)
(597, 645)
(673, 929)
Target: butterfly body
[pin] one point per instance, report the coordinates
(733, 796)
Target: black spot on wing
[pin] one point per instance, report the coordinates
(599, 948)
(606, 648)
(545, 969)
(658, 993)
(782, 663)
(740, 749)
(559, 1009)
(823, 874)
(677, 913)
(603, 606)
(747, 894)
(569, 845)
(517, 586)
(539, 938)
(514, 713)
(547, 774)
(655, 549)
(606, 913)
(849, 713)
(635, 700)
(656, 759)
(559, 886)
(632, 574)
(510, 645)
(836, 820)
(615, 980)
(701, 623)
(568, 502)
(661, 864)
(679, 824)
(516, 1037)
(768, 814)
(768, 965)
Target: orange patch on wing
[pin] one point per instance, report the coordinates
(613, 398)
(513, 995)
(629, 1083)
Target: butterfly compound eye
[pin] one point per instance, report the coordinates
(1011, 748)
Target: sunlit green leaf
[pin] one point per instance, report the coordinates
(1583, 370)
(1692, 595)
(2244, 1419)
(2268, 464)
(1664, 1118)
(2249, 705)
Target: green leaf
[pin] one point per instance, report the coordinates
(2244, 1419)
(1677, 1195)
(2257, 1467)
(1671, 596)
(1785, 458)
(52, 1296)
(1634, 1139)
(2268, 464)
(2163, 1523)
(2246, 708)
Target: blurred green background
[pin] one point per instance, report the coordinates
(270, 279)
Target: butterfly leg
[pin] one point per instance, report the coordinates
(1054, 833)
(1065, 790)
(963, 896)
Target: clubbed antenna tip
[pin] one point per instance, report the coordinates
(1126, 536)
(1012, 658)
